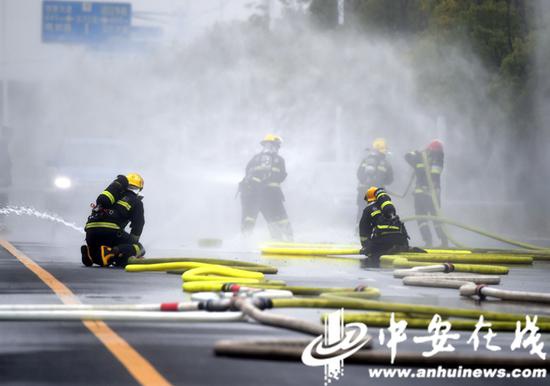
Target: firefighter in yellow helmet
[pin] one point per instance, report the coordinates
(374, 170)
(261, 191)
(380, 229)
(107, 242)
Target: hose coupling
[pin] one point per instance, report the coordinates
(449, 267)
(480, 294)
(217, 305)
(263, 303)
(230, 287)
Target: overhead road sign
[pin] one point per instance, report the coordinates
(84, 21)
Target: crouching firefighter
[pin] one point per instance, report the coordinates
(380, 228)
(107, 243)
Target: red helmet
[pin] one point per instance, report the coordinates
(435, 145)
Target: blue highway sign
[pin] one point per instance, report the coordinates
(84, 21)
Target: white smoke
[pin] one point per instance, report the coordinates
(193, 114)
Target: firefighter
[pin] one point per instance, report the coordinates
(380, 229)
(374, 170)
(107, 243)
(261, 191)
(423, 202)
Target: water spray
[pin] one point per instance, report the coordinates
(23, 210)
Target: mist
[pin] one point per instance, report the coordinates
(191, 113)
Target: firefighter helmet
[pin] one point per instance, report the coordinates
(379, 144)
(370, 196)
(135, 180)
(272, 138)
(435, 145)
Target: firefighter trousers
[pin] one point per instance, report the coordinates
(111, 238)
(423, 205)
(270, 203)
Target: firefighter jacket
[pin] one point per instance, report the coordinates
(374, 170)
(264, 171)
(434, 167)
(379, 219)
(128, 209)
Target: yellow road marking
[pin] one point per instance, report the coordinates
(139, 367)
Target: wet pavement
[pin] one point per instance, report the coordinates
(67, 353)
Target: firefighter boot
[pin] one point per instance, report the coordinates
(86, 259)
(107, 256)
(426, 234)
(442, 236)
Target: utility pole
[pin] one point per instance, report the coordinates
(341, 12)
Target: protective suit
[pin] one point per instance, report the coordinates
(119, 205)
(261, 191)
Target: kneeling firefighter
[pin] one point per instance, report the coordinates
(380, 228)
(107, 243)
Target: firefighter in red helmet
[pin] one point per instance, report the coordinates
(423, 201)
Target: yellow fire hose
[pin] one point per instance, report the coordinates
(541, 254)
(212, 273)
(429, 311)
(472, 258)
(534, 254)
(230, 263)
(164, 266)
(182, 266)
(319, 251)
(328, 258)
(459, 251)
(296, 290)
(309, 251)
(378, 320)
(313, 249)
(284, 244)
(479, 231)
(207, 273)
(402, 262)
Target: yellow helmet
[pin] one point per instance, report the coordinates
(135, 180)
(380, 145)
(272, 138)
(370, 196)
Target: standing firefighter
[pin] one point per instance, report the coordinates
(261, 191)
(380, 229)
(107, 243)
(374, 170)
(428, 165)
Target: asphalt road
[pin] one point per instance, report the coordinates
(39, 352)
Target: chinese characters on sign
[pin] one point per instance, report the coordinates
(440, 338)
(84, 22)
